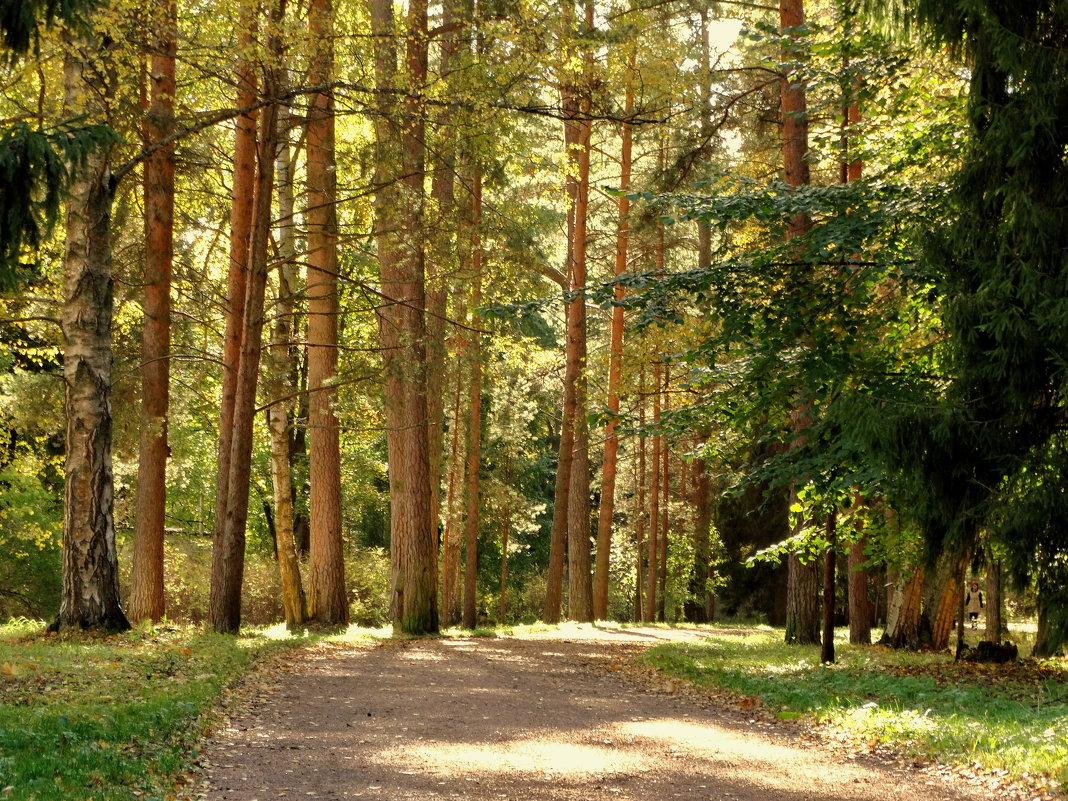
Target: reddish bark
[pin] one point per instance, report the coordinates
(228, 555)
(399, 211)
(327, 602)
(606, 508)
(244, 188)
(146, 586)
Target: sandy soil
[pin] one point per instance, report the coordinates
(538, 717)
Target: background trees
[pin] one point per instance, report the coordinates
(482, 333)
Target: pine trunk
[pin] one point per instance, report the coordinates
(327, 601)
(283, 390)
(450, 550)
(942, 594)
(859, 608)
(228, 555)
(474, 427)
(90, 575)
(606, 508)
(802, 603)
(651, 569)
(903, 612)
(399, 206)
(827, 646)
(994, 602)
(640, 510)
(662, 550)
(440, 265)
(244, 189)
(146, 575)
(704, 570)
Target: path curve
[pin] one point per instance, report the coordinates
(537, 717)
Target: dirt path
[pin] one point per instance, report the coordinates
(518, 719)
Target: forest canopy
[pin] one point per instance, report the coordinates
(440, 313)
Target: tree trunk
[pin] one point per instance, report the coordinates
(474, 428)
(283, 389)
(450, 550)
(802, 603)
(640, 511)
(827, 646)
(1051, 638)
(228, 555)
(941, 595)
(146, 575)
(244, 189)
(662, 550)
(794, 117)
(90, 575)
(606, 508)
(441, 263)
(994, 602)
(561, 493)
(903, 612)
(401, 319)
(328, 603)
(652, 565)
(703, 571)
(859, 608)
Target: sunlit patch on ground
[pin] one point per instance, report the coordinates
(538, 756)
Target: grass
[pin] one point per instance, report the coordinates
(111, 718)
(1010, 718)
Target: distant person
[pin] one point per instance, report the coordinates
(973, 603)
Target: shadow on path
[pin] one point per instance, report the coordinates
(514, 719)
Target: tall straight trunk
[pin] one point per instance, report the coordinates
(794, 117)
(561, 491)
(282, 376)
(831, 534)
(146, 575)
(860, 617)
(704, 569)
(474, 426)
(640, 511)
(502, 595)
(450, 550)
(653, 562)
(704, 230)
(439, 265)
(244, 188)
(399, 207)
(606, 508)
(90, 575)
(327, 602)
(802, 624)
(576, 101)
(994, 601)
(662, 550)
(228, 557)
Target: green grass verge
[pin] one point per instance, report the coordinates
(1012, 718)
(111, 718)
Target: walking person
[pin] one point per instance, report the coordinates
(973, 603)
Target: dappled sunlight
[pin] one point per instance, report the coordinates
(422, 656)
(537, 756)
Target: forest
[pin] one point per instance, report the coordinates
(495, 311)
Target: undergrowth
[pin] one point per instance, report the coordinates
(1012, 717)
(111, 718)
